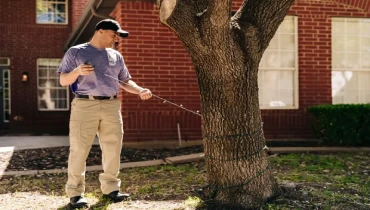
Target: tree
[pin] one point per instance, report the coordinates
(226, 51)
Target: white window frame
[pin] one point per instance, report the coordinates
(294, 69)
(9, 95)
(345, 70)
(9, 88)
(59, 88)
(54, 23)
(7, 61)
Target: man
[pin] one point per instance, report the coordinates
(96, 109)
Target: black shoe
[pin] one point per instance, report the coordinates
(116, 196)
(78, 202)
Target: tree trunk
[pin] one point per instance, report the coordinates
(226, 52)
(237, 166)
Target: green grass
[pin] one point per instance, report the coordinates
(365, 189)
(309, 162)
(279, 207)
(331, 181)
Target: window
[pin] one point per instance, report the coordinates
(350, 60)
(4, 62)
(51, 11)
(51, 96)
(278, 70)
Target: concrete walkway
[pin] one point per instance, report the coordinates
(12, 143)
(33, 142)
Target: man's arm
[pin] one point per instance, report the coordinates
(69, 78)
(131, 87)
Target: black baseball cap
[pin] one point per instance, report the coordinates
(109, 24)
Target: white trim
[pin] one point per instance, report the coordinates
(341, 69)
(7, 63)
(9, 95)
(296, 73)
(340, 87)
(295, 70)
(55, 88)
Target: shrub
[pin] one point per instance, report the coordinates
(342, 124)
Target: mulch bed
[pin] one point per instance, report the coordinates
(57, 157)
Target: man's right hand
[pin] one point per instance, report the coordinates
(69, 78)
(85, 69)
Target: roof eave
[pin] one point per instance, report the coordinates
(95, 11)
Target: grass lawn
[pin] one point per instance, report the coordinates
(309, 181)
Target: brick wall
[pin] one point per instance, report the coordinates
(314, 32)
(24, 41)
(77, 8)
(157, 60)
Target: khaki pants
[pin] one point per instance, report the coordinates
(88, 118)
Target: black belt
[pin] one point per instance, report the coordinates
(96, 97)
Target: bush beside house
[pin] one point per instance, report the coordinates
(342, 124)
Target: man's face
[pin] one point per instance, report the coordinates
(109, 37)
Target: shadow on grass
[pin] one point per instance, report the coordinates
(65, 207)
(102, 204)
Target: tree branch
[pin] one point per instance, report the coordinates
(265, 15)
(166, 8)
(219, 12)
(183, 17)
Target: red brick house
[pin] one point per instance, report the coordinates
(320, 55)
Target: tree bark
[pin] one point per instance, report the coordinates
(226, 52)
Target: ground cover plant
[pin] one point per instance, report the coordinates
(308, 181)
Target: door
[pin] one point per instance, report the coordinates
(4, 97)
